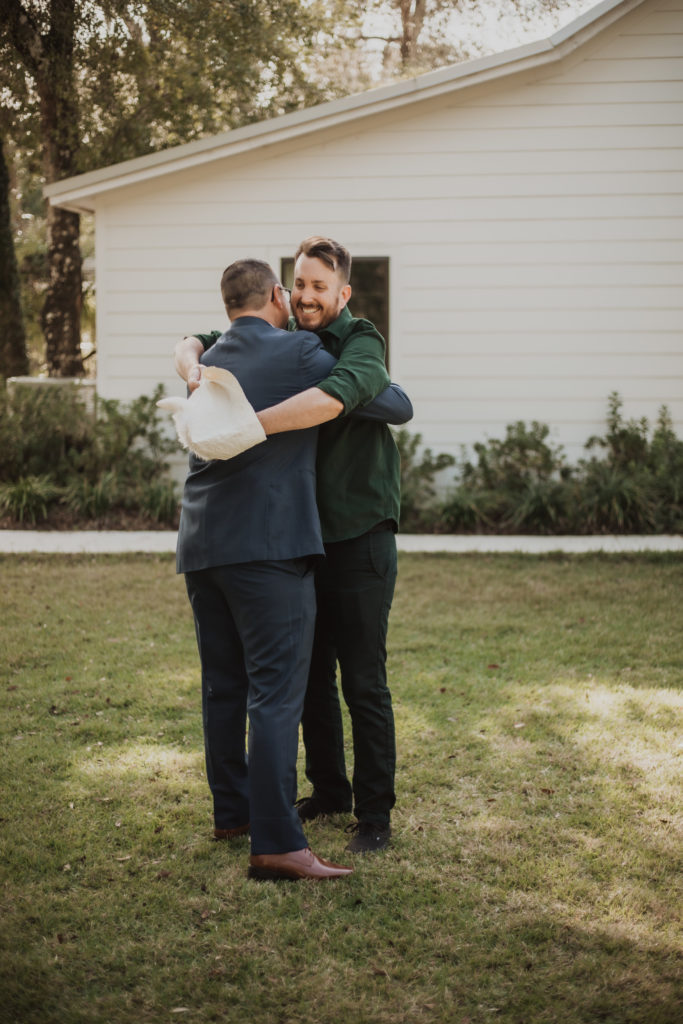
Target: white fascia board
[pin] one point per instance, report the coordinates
(80, 193)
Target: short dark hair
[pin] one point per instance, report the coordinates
(332, 253)
(247, 284)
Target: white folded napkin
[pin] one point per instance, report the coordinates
(216, 421)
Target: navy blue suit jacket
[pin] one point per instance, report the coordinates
(260, 505)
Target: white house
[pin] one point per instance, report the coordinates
(523, 214)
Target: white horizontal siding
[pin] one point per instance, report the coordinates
(501, 186)
(615, 70)
(534, 229)
(511, 230)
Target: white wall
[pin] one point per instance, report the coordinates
(534, 229)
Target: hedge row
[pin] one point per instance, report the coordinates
(630, 482)
(65, 464)
(60, 463)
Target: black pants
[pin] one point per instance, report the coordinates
(254, 625)
(354, 590)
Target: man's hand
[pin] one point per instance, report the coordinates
(187, 354)
(194, 377)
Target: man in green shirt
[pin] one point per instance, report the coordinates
(358, 500)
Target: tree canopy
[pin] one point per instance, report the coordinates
(84, 84)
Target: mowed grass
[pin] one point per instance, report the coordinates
(535, 872)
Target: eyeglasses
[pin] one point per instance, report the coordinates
(287, 291)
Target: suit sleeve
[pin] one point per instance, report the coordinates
(390, 406)
(315, 362)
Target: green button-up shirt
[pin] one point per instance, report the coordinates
(358, 465)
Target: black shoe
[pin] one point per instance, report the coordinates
(310, 807)
(368, 837)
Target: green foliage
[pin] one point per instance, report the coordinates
(418, 484)
(29, 498)
(158, 500)
(87, 84)
(517, 483)
(96, 462)
(92, 499)
(39, 428)
(523, 483)
(638, 486)
(522, 458)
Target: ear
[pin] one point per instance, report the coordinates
(279, 300)
(345, 295)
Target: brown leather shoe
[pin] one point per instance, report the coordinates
(294, 865)
(230, 833)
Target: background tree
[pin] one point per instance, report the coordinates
(42, 39)
(86, 83)
(13, 356)
(422, 35)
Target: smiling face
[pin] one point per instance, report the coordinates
(319, 293)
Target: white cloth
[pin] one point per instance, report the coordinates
(216, 421)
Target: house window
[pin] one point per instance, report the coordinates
(370, 284)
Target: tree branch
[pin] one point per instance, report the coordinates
(23, 33)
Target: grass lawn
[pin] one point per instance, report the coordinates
(535, 874)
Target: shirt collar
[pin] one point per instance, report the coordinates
(338, 326)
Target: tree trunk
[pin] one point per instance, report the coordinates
(13, 357)
(412, 21)
(61, 316)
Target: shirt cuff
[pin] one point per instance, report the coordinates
(331, 387)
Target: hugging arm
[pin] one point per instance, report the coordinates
(390, 406)
(309, 408)
(186, 357)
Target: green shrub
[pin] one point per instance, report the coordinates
(40, 428)
(519, 483)
(638, 486)
(97, 463)
(613, 500)
(158, 500)
(625, 443)
(418, 483)
(522, 458)
(666, 465)
(29, 498)
(523, 483)
(92, 500)
(541, 507)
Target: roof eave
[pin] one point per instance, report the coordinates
(80, 193)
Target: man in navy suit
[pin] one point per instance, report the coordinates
(249, 533)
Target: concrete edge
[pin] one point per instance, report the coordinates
(164, 541)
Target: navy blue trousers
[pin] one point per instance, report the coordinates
(254, 623)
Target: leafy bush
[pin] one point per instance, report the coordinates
(519, 483)
(29, 498)
(92, 500)
(56, 454)
(638, 486)
(524, 484)
(158, 499)
(39, 429)
(612, 500)
(418, 484)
